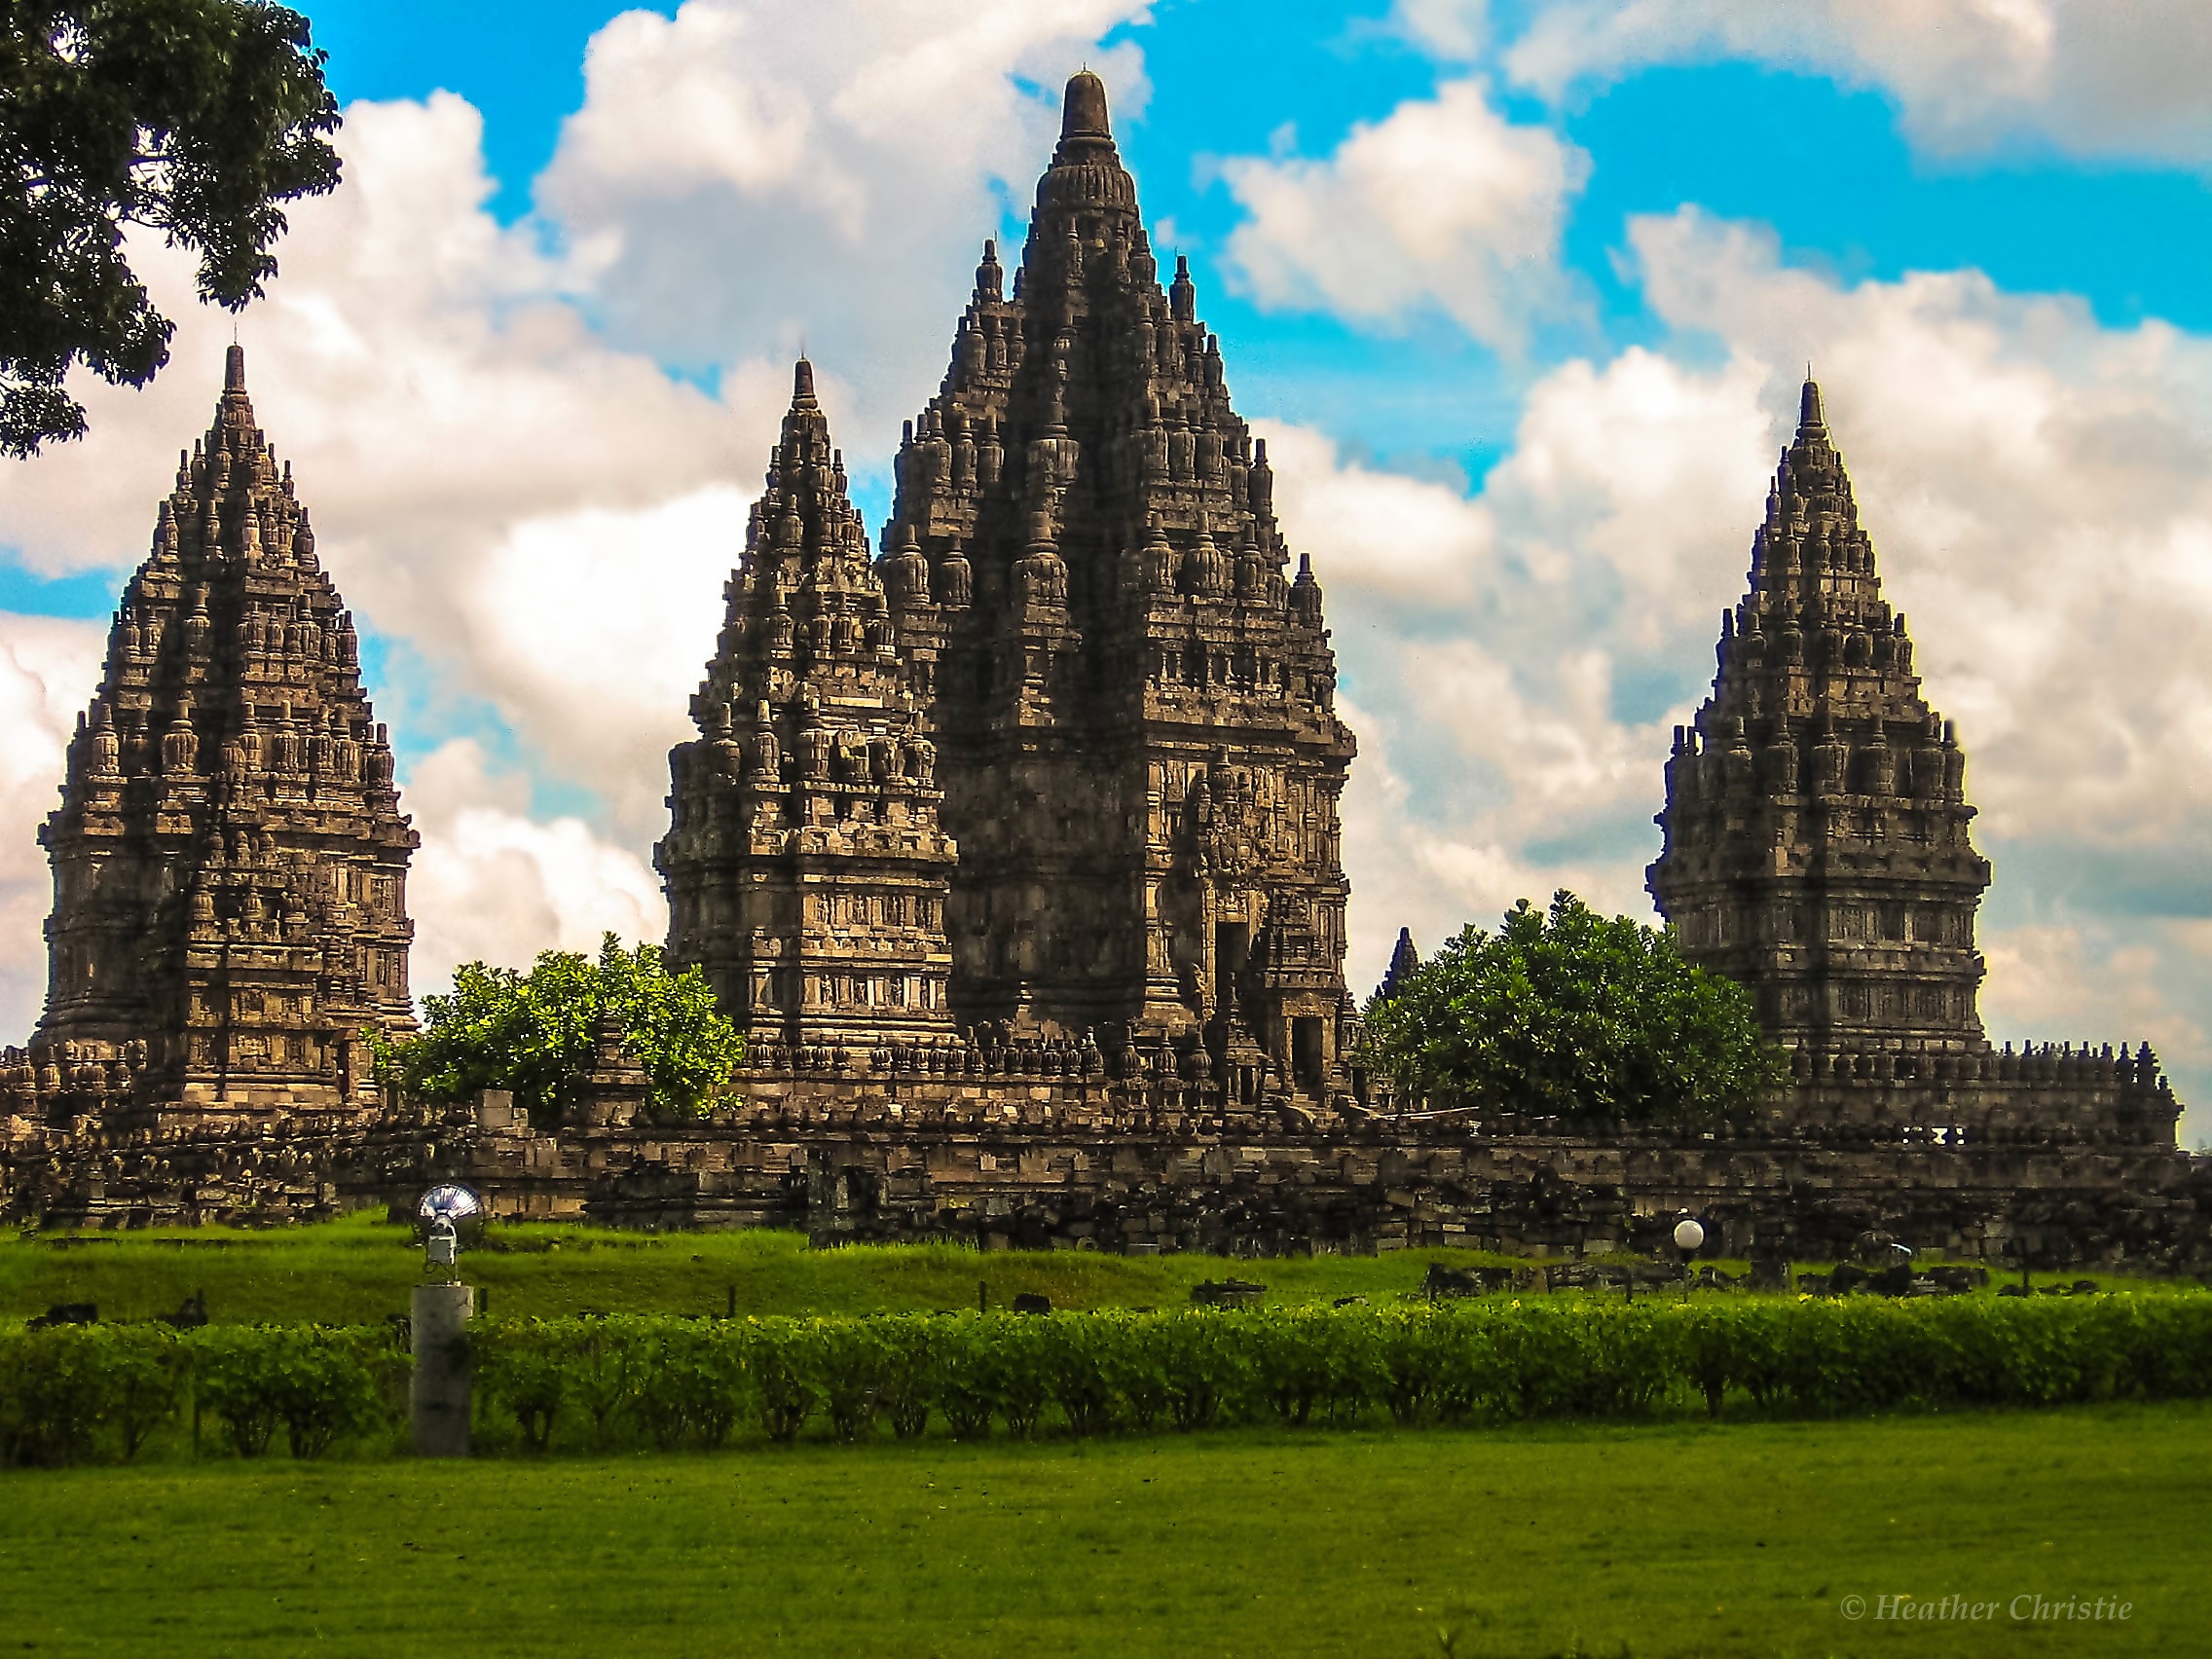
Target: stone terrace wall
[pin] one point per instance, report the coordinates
(1150, 1164)
(2041, 1094)
(1377, 1187)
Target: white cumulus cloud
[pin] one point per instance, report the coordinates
(2039, 490)
(492, 883)
(1486, 638)
(2084, 76)
(1443, 203)
(747, 175)
(48, 669)
(594, 627)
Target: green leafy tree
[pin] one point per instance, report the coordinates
(1568, 1014)
(192, 117)
(534, 1033)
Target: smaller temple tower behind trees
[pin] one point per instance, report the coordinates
(805, 867)
(230, 863)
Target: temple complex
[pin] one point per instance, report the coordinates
(1132, 699)
(1015, 850)
(806, 869)
(230, 863)
(1818, 845)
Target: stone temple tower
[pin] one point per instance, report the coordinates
(230, 862)
(1133, 701)
(1817, 841)
(805, 867)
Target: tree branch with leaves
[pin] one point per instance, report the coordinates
(194, 118)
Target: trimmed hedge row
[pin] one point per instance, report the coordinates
(670, 1383)
(72, 1394)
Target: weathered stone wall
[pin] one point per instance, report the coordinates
(1118, 1167)
(998, 1181)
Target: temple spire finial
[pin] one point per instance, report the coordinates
(803, 385)
(1083, 112)
(234, 368)
(1809, 418)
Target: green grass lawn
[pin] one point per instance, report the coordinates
(359, 1270)
(1660, 1540)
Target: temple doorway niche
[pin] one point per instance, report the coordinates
(1308, 1055)
(1231, 947)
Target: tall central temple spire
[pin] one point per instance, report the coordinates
(1142, 762)
(1817, 839)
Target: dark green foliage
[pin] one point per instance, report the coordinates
(1085, 1362)
(78, 1393)
(145, 1365)
(1416, 1362)
(330, 1384)
(1140, 1372)
(1488, 1360)
(908, 1362)
(787, 1358)
(852, 1366)
(534, 1033)
(1016, 1352)
(319, 1384)
(1709, 1342)
(1201, 1367)
(1570, 1014)
(663, 1380)
(598, 1353)
(52, 1392)
(192, 117)
(525, 1371)
(966, 1382)
(688, 1383)
(235, 1380)
(1308, 1360)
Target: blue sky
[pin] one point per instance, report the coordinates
(1523, 295)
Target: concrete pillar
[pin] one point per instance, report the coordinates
(438, 1395)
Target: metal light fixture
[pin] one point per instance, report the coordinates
(442, 1209)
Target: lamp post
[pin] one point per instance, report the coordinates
(438, 1394)
(1689, 1236)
